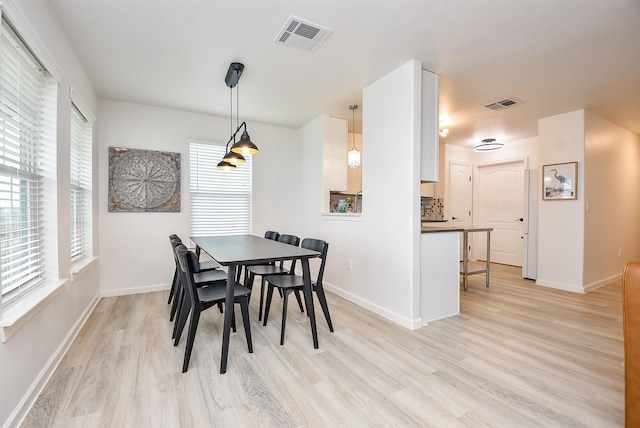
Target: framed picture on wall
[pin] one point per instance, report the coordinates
(560, 181)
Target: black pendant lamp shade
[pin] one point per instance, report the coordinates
(245, 146)
(233, 157)
(226, 166)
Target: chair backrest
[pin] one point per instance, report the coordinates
(175, 243)
(187, 260)
(291, 240)
(271, 234)
(320, 246)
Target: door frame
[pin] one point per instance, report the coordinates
(476, 191)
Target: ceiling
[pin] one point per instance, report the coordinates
(552, 56)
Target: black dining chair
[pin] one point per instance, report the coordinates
(274, 269)
(201, 279)
(203, 266)
(295, 283)
(202, 298)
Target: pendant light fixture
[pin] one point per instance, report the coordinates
(488, 145)
(353, 157)
(245, 146)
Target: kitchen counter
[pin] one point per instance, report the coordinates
(430, 229)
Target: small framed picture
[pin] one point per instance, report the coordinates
(560, 181)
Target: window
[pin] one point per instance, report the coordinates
(220, 200)
(81, 142)
(23, 84)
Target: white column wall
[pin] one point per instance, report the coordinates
(561, 223)
(384, 243)
(136, 255)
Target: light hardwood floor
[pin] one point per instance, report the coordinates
(517, 356)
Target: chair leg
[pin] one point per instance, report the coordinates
(173, 286)
(177, 301)
(297, 293)
(285, 303)
(233, 320)
(244, 307)
(268, 304)
(178, 328)
(323, 303)
(191, 335)
(261, 300)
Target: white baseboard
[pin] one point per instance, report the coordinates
(134, 290)
(560, 286)
(602, 282)
(373, 307)
(22, 409)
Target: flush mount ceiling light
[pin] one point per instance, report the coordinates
(245, 146)
(353, 158)
(488, 145)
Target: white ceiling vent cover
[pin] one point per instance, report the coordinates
(302, 34)
(503, 104)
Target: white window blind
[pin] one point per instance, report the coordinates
(220, 200)
(81, 142)
(21, 196)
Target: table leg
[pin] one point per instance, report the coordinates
(465, 258)
(488, 254)
(308, 296)
(228, 315)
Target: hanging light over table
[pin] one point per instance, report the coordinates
(244, 146)
(353, 157)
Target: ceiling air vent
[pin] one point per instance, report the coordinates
(302, 34)
(503, 104)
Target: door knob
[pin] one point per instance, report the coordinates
(519, 219)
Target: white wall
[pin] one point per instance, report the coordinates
(384, 244)
(611, 186)
(30, 355)
(561, 224)
(136, 255)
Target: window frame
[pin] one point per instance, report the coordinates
(226, 194)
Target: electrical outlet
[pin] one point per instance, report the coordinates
(619, 252)
(349, 264)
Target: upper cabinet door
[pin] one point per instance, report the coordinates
(337, 154)
(430, 122)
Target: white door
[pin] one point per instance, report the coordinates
(460, 197)
(501, 207)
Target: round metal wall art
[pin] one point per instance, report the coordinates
(143, 180)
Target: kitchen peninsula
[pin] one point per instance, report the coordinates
(439, 273)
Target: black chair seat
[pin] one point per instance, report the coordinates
(286, 281)
(209, 265)
(218, 292)
(209, 276)
(268, 270)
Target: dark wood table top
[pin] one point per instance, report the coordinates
(249, 249)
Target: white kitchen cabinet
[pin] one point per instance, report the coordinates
(439, 275)
(429, 160)
(335, 154)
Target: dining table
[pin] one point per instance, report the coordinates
(236, 251)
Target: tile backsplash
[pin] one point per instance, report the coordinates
(432, 209)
